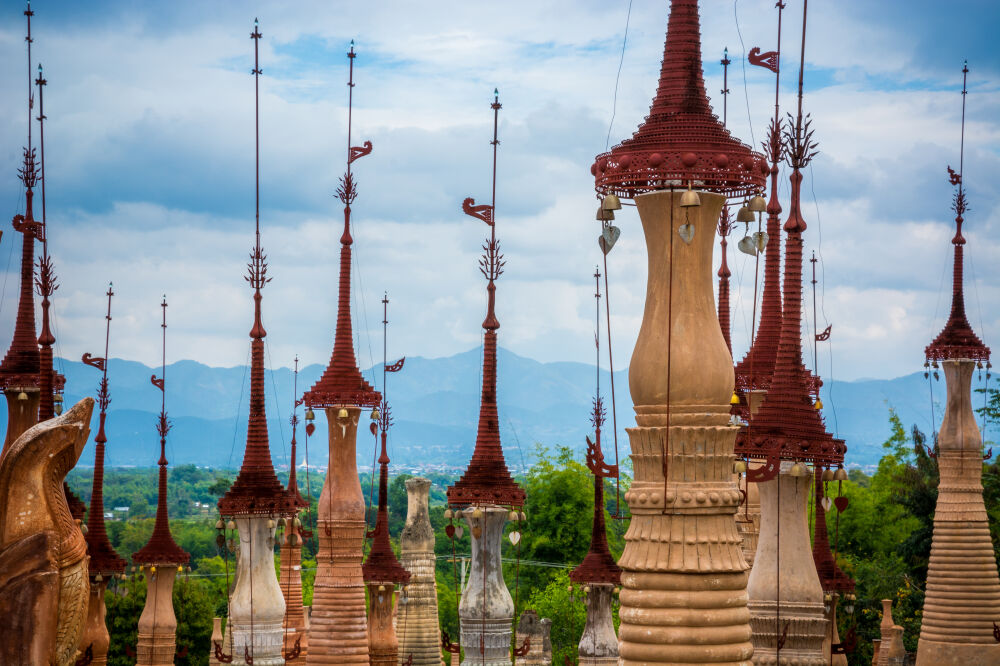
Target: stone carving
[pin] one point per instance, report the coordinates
(963, 590)
(537, 631)
(44, 589)
(417, 615)
(683, 596)
(338, 631)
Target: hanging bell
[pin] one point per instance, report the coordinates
(152, 569)
(343, 413)
(270, 523)
(310, 415)
(818, 404)
(690, 198)
(523, 517)
(604, 215)
(744, 214)
(375, 415)
(827, 475)
(219, 524)
(231, 525)
(735, 400)
(798, 470)
(22, 396)
(83, 528)
(758, 204)
(611, 202)
(740, 466)
(477, 513)
(840, 474)
(180, 568)
(98, 578)
(58, 397)
(448, 514)
(57, 408)
(513, 516)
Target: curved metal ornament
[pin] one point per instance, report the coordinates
(359, 151)
(766, 472)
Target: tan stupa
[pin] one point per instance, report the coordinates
(962, 602)
(417, 623)
(683, 596)
(296, 638)
(338, 626)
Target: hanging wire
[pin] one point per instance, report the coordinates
(743, 62)
(621, 61)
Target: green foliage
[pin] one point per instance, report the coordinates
(566, 610)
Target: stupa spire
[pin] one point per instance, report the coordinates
(486, 479)
(256, 489)
(103, 558)
(957, 339)
(161, 547)
(293, 486)
(725, 226)
(341, 382)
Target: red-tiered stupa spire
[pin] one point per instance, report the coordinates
(598, 565)
(257, 489)
(382, 565)
(788, 423)
(681, 142)
(103, 558)
(161, 547)
(341, 382)
(830, 576)
(487, 480)
(293, 485)
(957, 339)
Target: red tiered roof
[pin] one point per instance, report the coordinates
(487, 480)
(103, 558)
(382, 565)
(257, 490)
(681, 141)
(598, 566)
(341, 382)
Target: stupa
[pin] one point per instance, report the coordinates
(257, 500)
(338, 629)
(598, 574)
(105, 563)
(161, 558)
(382, 571)
(962, 602)
(835, 583)
(417, 622)
(683, 597)
(296, 639)
(486, 493)
(786, 598)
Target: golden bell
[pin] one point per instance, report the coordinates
(477, 513)
(798, 469)
(735, 400)
(740, 466)
(827, 475)
(818, 404)
(58, 409)
(758, 204)
(57, 398)
(152, 569)
(219, 524)
(611, 202)
(375, 415)
(690, 198)
(22, 396)
(180, 568)
(604, 215)
(98, 578)
(343, 413)
(840, 474)
(523, 517)
(231, 525)
(744, 214)
(448, 514)
(310, 415)
(513, 516)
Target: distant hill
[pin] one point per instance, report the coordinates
(435, 406)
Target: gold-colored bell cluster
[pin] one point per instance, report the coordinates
(609, 204)
(798, 469)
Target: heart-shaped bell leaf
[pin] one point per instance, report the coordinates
(610, 236)
(373, 427)
(686, 232)
(760, 240)
(450, 531)
(459, 532)
(515, 537)
(747, 246)
(827, 503)
(841, 503)
(310, 429)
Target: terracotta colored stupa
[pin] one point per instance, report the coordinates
(338, 629)
(105, 563)
(417, 622)
(296, 639)
(257, 500)
(486, 492)
(683, 597)
(962, 602)
(161, 557)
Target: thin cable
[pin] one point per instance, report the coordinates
(743, 62)
(621, 61)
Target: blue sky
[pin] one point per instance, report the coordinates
(149, 149)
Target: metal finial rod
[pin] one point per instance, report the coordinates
(815, 323)
(385, 345)
(597, 331)
(351, 55)
(961, 150)
(725, 62)
(802, 62)
(777, 64)
(31, 98)
(107, 330)
(255, 36)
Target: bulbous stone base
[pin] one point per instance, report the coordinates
(599, 644)
(487, 609)
(157, 640)
(257, 607)
(417, 624)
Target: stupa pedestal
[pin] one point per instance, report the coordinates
(537, 631)
(338, 631)
(963, 591)
(599, 644)
(216, 638)
(417, 623)
(257, 607)
(290, 580)
(157, 642)
(95, 635)
(486, 610)
(383, 646)
(833, 635)
(799, 621)
(683, 596)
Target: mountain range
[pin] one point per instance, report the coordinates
(435, 404)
